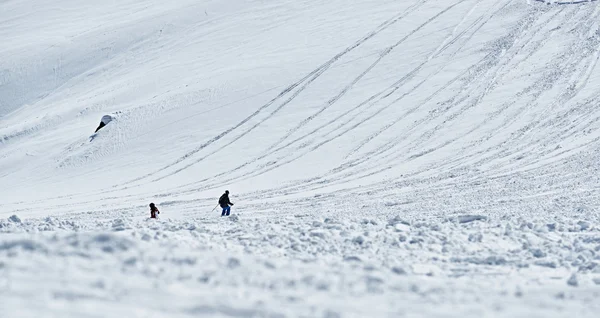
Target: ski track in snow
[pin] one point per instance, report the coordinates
(422, 159)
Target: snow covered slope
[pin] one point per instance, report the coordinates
(384, 157)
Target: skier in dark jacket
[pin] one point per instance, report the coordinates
(153, 211)
(225, 203)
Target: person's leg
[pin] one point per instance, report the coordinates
(228, 210)
(223, 212)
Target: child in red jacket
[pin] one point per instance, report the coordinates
(153, 211)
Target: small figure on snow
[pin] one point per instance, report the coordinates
(153, 211)
(225, 203)
(104, 121)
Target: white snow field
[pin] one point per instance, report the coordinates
(419, 158)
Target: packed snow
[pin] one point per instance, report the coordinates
(387, 158)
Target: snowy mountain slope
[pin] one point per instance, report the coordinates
(422, 90)
(440, 152)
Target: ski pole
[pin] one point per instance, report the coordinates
(214, 207)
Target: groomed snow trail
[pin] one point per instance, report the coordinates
(387, 159)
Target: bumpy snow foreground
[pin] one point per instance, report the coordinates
(300, 265)
(420, 158)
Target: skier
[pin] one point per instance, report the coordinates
(225, 203)
(153, 211)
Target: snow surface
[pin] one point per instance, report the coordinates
(386, 158)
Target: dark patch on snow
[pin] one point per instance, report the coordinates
(233, 263)
(397, 220)
(490, 260)
(398, 270)
(352, 259)
(467, 218)
(27, 245)
(538, 253)
(573, 281)
(358, 240)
